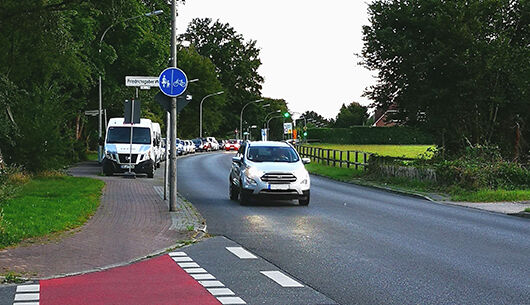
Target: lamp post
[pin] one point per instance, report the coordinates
(241, 116)
(150, 14)
(265, 122)
(200, 110)
(274, 117)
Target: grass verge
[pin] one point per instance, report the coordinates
(46, 205)
(418, 187)
(92, 155)
(407, 151)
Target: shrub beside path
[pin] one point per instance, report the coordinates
(131, 222)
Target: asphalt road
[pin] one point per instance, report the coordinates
(359, 245)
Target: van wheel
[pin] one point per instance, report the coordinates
(151, 171)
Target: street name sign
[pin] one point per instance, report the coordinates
(172, 82)
(141, 81)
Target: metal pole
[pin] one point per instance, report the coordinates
(99, 128)
(173, 116)
(166, 161)
(131, 140)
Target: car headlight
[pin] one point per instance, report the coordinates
(252, 174)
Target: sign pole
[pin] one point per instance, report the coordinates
(173, 116)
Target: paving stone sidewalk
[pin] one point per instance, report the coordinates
(132, 221)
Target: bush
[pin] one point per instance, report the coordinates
(483, 167)
(371, 135)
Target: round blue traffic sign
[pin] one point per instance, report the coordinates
(173, 82)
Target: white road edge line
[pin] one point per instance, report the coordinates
(231, 300)
(241, 252)
(28, 288)
(26, 303)
(282, 279)
(220, 291)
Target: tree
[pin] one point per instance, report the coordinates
(353, 114)
(236, 61)
(314, 119)
(457, 68)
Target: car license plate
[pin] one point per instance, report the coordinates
(127, 166)
(278, 186)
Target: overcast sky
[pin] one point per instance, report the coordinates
(307, 47)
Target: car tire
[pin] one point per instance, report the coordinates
(304, 201)
(244, 199)
(234, 192)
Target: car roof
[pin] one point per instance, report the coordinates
(269, 143)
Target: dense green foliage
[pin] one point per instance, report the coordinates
(370, 135)
(458, 68)
(351, 115)
(48, 204)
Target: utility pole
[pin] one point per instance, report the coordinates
(173, 125)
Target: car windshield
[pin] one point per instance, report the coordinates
(196, 141)
(272, 154)
(232, 141)
(141, 135)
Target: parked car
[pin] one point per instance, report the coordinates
(271, 170)
(213, 143)
(199, 145)
(207, 146)
(232, 144)
(190, 147)
(180, 147)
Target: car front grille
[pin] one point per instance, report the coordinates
(124, 158)
(278, 178)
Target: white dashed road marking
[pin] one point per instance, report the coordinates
(241, 252)
(220, 291)
(188, 265)
(180, 259)
(26, 303)
(203, 276)
(28, 288)
(282, 279)
(231, 300)
(216, 288)
(26, 297)
(195, 270)
(211, 284)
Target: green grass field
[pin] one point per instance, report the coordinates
(407, 151)
(92, 155)
(46, 205)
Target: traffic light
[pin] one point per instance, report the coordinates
(305, 133)
(286, 114)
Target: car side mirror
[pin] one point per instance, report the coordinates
(306, 160)
(236, 160)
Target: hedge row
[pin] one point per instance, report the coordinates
(370, 135)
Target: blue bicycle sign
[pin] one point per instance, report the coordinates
(173, 82)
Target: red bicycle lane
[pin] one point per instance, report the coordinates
(157, 281)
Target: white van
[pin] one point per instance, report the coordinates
(118, 151)
(157, 141)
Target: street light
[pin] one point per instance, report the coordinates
(274, 117)
(277, 111)
(150, 14)
(241, 116)
(200, 110)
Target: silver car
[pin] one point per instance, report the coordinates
(271, 170)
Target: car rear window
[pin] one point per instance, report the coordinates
(272, 154)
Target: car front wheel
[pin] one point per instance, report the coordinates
(304, 200)
(234, 192)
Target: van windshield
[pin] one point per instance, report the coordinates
(141, 135)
